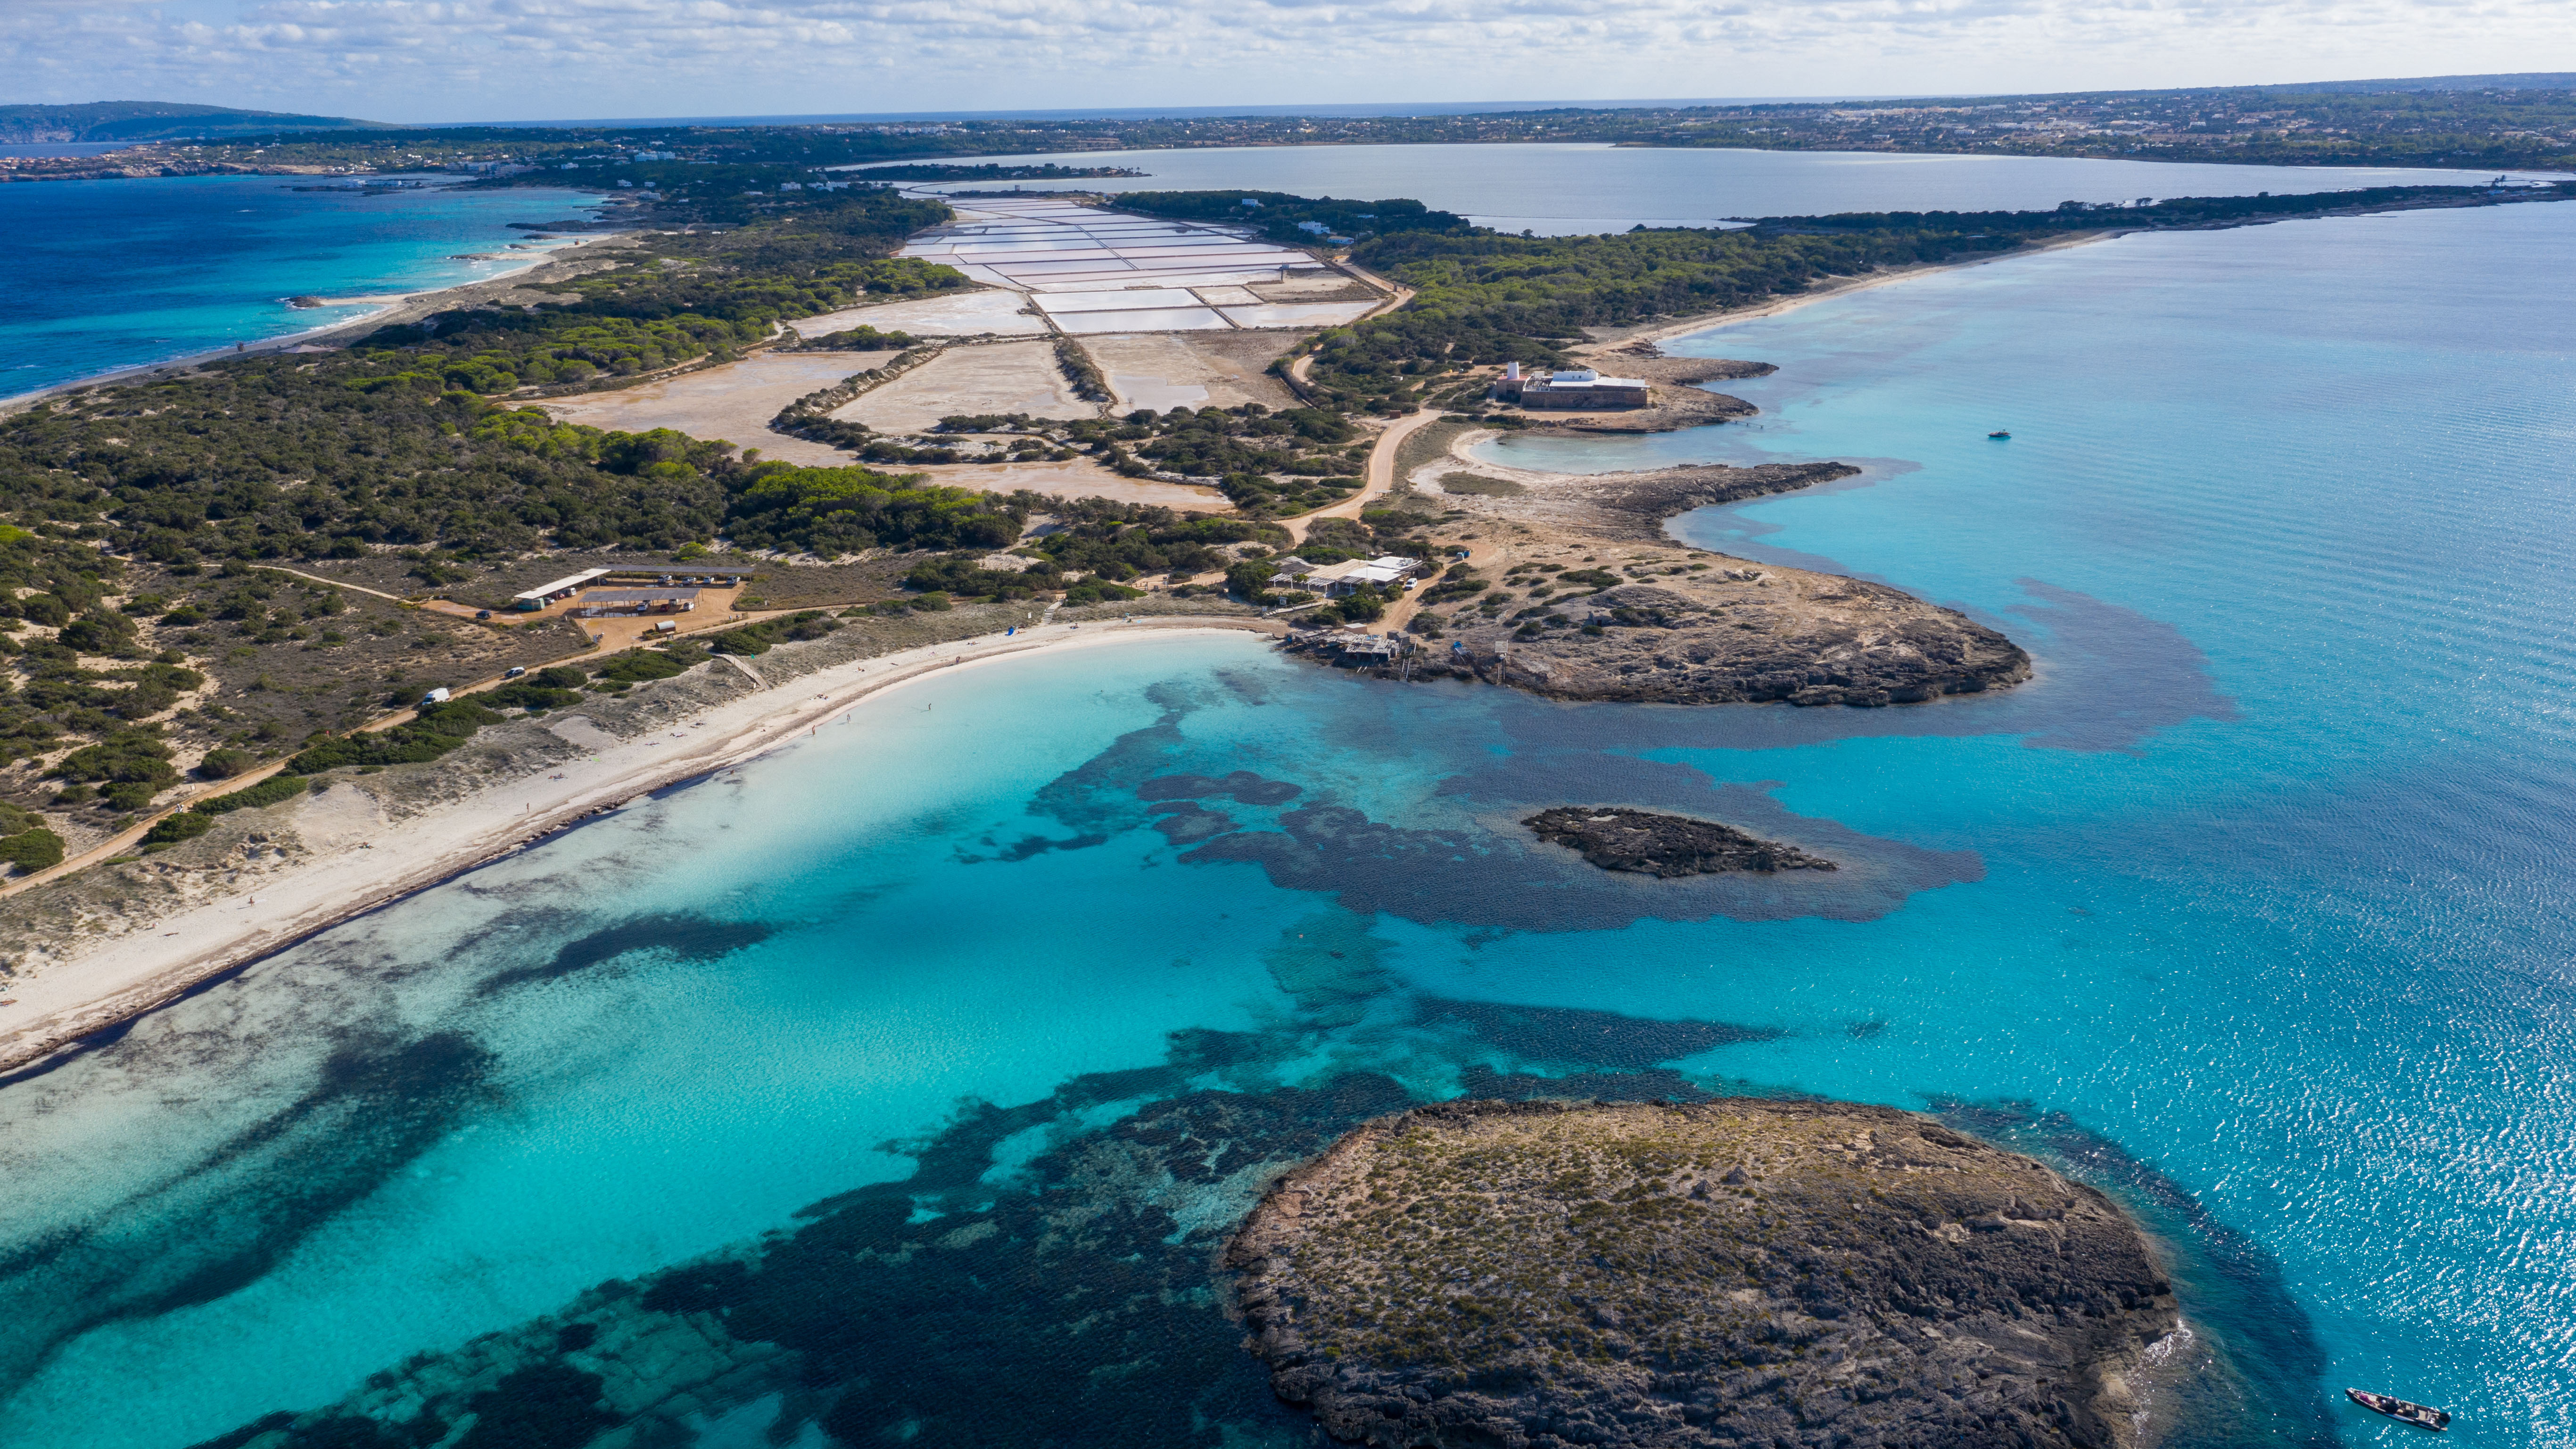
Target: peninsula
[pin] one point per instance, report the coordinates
(1740, 1271)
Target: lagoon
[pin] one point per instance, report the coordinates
(1565, 190)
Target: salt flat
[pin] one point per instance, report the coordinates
(733, 401)
(1093, 272)
(999, 377)
(1126, 299)
(1161, 319)
(1080, 478)
(1048, 245)
(1298, 314)
(1163, 370)
(993, 310)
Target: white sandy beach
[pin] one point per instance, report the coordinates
(367, 867)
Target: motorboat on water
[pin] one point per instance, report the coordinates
(1999, 434)
(2416, 1414)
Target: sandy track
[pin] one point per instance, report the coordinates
(1380, 479)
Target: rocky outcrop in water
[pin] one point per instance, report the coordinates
(1539, 1275)
(1635, 505)
(1727, 636)
(1617, 838)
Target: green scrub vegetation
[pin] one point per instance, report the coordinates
(1485, 298)
(1289, 220)
(25, 843)
(832, 511)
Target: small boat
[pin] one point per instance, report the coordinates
(2416, 1414)
(1998, 433)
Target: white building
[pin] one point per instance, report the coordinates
(1576, 388)
(1336, 580)
(562, 588)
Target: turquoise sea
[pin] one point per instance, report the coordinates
(939, 1049)
(113, 274)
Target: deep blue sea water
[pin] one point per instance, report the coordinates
(2252, 907)
(113, 274)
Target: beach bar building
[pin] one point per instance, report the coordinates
(676, 575)
(621, 602)
(563, 588)
(1337, 580)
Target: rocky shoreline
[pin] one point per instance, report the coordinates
(1616, 609)
(1540, 1275)
(1668, 846)
(1820, 642)
(1676, 632)
(1677, 403)
(1637, 505)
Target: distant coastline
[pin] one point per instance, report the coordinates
(535, 267)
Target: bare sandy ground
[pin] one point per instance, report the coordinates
(1080, 478)
(736, 400)
(1165, 370)
(1271, 315)
(733, 401)
(1001, 377)
(1331, 287)
(361, 862)
(1380, 478)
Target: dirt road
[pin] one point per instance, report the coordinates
(1380, 480)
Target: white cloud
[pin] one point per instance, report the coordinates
(518, 59)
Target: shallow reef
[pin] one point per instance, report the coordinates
(1073, 1294)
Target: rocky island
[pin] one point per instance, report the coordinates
(1617, 838)
(1742, 1271)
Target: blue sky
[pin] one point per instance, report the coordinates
(447, 60)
